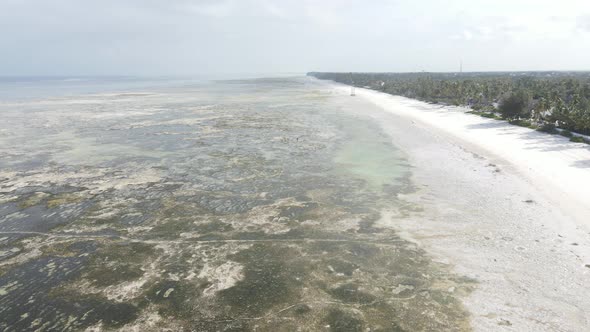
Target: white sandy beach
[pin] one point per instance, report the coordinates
(559, 167)
(504, 205)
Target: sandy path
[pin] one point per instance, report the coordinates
(504, 205)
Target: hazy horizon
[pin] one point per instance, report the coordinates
(253, 37)
(254, 75)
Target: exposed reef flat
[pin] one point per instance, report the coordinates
(231, 206)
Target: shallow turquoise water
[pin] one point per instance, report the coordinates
(369, 155)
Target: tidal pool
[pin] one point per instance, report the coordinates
(248, 205)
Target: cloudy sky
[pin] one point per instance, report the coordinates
(203, 37)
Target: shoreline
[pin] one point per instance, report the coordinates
(494, 210)
(557, 167)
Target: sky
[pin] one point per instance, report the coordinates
(216, 37)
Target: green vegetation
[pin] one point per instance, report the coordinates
(540, 99)
(514, 106)
(486, 115)
(549, 128)
(578, 139)
(523, 123)
(566, 133)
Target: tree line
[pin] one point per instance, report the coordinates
(534, 99)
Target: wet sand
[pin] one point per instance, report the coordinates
(503, 205)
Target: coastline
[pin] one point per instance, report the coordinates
(503, 205)
(554, 160)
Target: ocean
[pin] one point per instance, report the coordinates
(227, 205)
